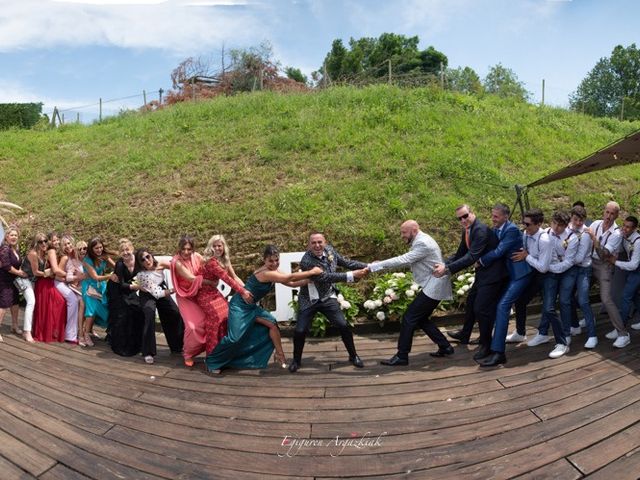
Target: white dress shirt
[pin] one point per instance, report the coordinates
(539, 250)
(631, 245)
(565, 248)
(609, 239)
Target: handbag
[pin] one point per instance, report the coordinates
(93, 293)
(22, 283)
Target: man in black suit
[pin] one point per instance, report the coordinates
(320, 295)
(477, 240)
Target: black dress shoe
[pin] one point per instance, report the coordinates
(294, 366)
(355, 360)
(493, 360)
(395, 361)
(475, 341)
(443, 352)
(459, 336)
(482, 352)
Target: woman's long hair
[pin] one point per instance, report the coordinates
(225, 259)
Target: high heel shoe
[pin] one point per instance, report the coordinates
(188, 362)
(27, 337)
(16, 330)
(280, 359)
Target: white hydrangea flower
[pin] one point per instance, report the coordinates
(409, 293)
(380, 316)
(465, 288)
(415, 287)
(369, 304)
(295, 298)
(387, 300)
(471, 280)
(468, 274)
(344, 305)
(399, 275)
(340, 298)
(389, 291)
(461, 278)
(460, 292)
(395, 296)
(378, 303)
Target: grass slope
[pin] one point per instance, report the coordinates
(269, 167)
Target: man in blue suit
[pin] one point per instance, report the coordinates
(511, 241)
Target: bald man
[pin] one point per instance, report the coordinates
(423, 255)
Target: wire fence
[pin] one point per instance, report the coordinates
(105, 108)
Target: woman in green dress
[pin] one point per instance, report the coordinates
(252, 331)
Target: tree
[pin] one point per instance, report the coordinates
(504, 82)
(296, 74)
(367, 58)
(21, 115)
(464, 80)
(611, 82)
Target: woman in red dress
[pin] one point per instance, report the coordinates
(211, 301)
(50, 314)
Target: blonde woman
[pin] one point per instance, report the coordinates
(10, 262)
(74, 274)
(221, 253)
(70, 297)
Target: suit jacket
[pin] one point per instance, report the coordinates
(482, 240)
(422, 257)
(510, 241)
(323, 283)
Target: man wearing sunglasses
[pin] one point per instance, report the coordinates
(477, 240)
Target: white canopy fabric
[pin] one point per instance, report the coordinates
(621, 152)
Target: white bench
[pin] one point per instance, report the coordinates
(284, 294)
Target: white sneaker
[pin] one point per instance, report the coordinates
(592, 342)
(568, 340)
(635, 326)
(622, 341)
(515, 337)
(559, 351)
(148, 359)
(582, 323)
(576, 331)
(612, 335)
(538, 340)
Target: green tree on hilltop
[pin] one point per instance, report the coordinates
(464, 80)
(504, 82)
(368, 57)
(611, 82)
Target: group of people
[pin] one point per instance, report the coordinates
(68, 286)
(512, 266)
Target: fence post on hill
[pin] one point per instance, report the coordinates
(78, 117)
(390, 81)
(160, 96)
(144, 97)
(100, 115)
(53, 117)
(441, 75)
(262, 79)
(62, 121)
(622, 109)
(542, 103)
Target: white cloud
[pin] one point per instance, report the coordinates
(179, 26)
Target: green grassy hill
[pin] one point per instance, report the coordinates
(269, 167)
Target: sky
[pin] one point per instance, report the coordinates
(71, 53)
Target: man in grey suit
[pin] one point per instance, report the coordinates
(422, 256)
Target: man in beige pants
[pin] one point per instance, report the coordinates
(606, 242)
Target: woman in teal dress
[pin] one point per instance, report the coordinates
(252, 331)
(94, 287)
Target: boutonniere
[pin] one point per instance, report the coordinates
(565, 243)
(330, 257)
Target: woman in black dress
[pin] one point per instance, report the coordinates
(10, 269)
(126, 319)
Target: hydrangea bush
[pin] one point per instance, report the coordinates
(462, 283)
(392, 294)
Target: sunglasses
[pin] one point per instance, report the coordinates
(42, 241)
(147, 257)
(83, 249)
(463, 217)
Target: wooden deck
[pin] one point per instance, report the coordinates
(72, 413)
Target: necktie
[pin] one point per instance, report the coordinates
(466, 237)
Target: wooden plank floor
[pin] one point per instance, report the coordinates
(74, 413)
